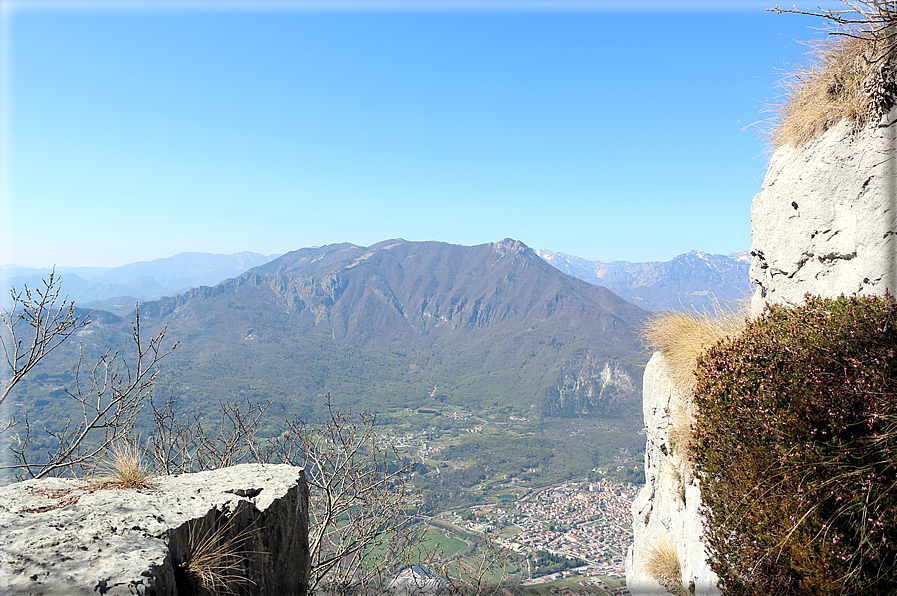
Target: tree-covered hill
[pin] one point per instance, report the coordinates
(393, 325)
(406, 324)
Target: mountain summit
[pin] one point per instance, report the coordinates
(404, 323)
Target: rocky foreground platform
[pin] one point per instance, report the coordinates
(67, 536)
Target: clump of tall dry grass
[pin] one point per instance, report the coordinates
(681, 337)
(824, 92)
(850, 75)
(214, 563)
(125, 468)
(663, 565)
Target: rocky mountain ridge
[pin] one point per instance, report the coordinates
(396, 324)
(445, 312)
(691, 280)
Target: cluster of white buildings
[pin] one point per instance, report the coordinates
(458, 415)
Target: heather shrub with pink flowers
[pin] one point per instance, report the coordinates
(795, 446)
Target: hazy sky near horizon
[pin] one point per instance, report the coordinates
(608, 130)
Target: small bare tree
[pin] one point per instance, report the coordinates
(482, 575)
(177, 446)
(109, 392)
(43, 319)
(363, 512)
(365, 519)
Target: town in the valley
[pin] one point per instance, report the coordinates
(587, 523)
(568, 537)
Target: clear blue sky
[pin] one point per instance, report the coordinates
(607, 130)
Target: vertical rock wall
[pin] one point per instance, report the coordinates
(666, 508)
(824, 222)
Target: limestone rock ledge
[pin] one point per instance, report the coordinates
(66, 536)
(667, 507)
(825, 220)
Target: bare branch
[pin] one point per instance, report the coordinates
(51, 318)
(109, 393)
(871, 20)
(360, 499)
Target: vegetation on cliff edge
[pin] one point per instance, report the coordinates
(794, 445)
(851, 75)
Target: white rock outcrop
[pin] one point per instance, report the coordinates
(666, 508)
(66, 536)
(825, 220)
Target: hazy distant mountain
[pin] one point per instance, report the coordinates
(118, 289)
(694, 279)
(406, 324)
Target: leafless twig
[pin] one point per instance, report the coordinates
(109, 391)
(179, 447)
(43, 316)
(871, 20)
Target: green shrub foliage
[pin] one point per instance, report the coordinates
(795, 448)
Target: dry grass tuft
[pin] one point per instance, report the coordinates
(126, 468)
(214, 565)
(850, 75)
(681, 337)
(824, 92)
(663, 565)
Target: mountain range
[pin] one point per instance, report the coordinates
(117, 289)
(399, 324)
(406, 323)
(693, 280)
(402, 329)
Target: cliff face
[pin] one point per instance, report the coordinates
(65, 536)
(825, 222)
(667, 507)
